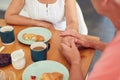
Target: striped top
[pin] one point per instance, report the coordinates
(54, 13)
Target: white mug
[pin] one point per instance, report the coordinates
(18, 59)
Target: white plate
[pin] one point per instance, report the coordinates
(38, 68)
(36, 30)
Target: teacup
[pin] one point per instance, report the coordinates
(7, 34)
(18, 59)
(39, 51)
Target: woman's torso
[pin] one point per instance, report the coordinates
(54, 13)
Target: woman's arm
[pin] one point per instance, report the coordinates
(12, 16)
(71, 14)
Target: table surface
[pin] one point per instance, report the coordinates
(87, 54)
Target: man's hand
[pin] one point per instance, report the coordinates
(83, 40)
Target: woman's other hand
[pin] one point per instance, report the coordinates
(45, 24)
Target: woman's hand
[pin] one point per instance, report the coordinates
(45, 24)
(71, 52)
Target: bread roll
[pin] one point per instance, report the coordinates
(52, 76)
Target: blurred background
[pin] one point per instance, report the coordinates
(3, 6)
(97, 25)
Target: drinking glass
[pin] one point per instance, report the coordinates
(7, 75)
(10, 75)
(2, 75)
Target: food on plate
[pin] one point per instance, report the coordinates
(38, 38)
(32, 77)
(28, 36)
(32, 36)
(52, 76)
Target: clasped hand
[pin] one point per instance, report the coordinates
(69, 49)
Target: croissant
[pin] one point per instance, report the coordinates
(27, 36)
(38, 38)
(34, 37)
(52, 76)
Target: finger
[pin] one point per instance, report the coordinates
(79, 41)
(65, 34)
(64, 46)
(73, 45)
(75, 40)
(65, 42)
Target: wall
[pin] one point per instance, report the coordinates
(4, 4)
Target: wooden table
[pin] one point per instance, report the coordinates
(53, 54)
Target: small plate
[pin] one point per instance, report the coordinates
(36, 30)
(38, 68)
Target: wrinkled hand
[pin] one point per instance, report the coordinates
(83, 40)
(71, 52)
(66, 39)
(72, 33)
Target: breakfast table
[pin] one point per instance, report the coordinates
(54, 54)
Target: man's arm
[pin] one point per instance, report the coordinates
(99, 45)
(85, 40)
(90, 41)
